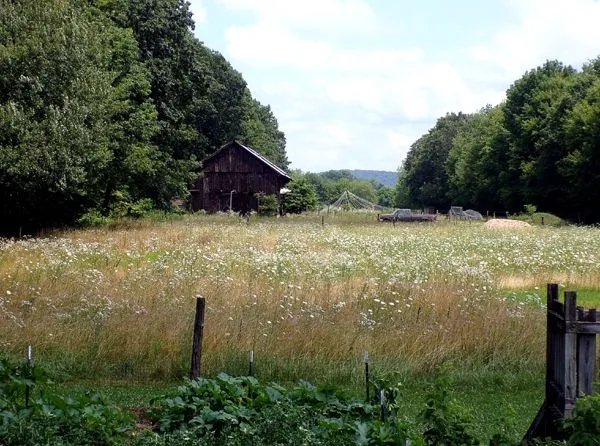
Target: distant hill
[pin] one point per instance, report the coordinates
(384, 177)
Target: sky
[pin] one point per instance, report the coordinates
(353, 83)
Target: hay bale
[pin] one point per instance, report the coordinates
(497, 223)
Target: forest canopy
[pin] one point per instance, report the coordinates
(106, 104)
(540, 148)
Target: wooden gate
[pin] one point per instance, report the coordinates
(570, 361)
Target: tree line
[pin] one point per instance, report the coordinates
(106, 105)
(540, 147)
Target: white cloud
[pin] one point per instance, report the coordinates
(199, 11)
(566, 30)
(271, 45)
(323, 16)
(348, 103)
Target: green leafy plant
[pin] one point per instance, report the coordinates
(530, 209)
(51, 418)
(267, 204)
(447, 422)
(584, 426)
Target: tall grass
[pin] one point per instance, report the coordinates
(307, 298)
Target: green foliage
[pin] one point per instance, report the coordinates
(447, 422)
(386, 196)
(267, 204)
(584, 426)
(77, 121)
(331, 184)
(477, 161)
(530, 209)
(260, 130)
(112, 96)
(51, 418)
(424, 178)
(539, 146)
(300, 198)
(228, 410)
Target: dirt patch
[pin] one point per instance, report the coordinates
(497, 223)
(143, 419)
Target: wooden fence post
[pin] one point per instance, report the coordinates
(570, 361)
(197, 340)
(586, 356)
(367, 379)
(570, 354)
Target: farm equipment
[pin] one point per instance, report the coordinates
(406, 215)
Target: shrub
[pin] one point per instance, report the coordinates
(228, 410)
(447, 422)
(51, 418)
(584, 426)
(301, 197)
(267, 205)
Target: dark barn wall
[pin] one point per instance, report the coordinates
(235, 169)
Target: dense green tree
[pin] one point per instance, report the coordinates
(401, 191)
(260, 130)
(75, 118)
(539, 148)
(321, 186)
(477, 161)
(581, 167)
(424, 171)
(197, 93)
(535, 112)
(386, 196)
(301, 197)
(108, 102)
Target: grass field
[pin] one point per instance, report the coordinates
(103, 307)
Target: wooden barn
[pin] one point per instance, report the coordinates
(231, 178)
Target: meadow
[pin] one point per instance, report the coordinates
(117, 305)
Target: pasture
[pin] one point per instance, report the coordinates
(117, 305)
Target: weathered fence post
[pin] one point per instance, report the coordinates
(586, 355)
(366, 357)
(197, 340)
(570, 361)
(570, 354)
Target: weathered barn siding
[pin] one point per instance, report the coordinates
(235, 167)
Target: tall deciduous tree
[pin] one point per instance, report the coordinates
(301, 197)
(535, 112)
(260, 130)
(75, 119)
(196, 91)
(477, 161)
(424, 170)
(581, 167)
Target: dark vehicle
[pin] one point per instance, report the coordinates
(406, 215)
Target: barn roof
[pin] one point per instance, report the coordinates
(252, 152)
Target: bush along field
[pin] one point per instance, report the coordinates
(110, 309)
(241, 411)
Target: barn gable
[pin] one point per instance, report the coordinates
(232, 176)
